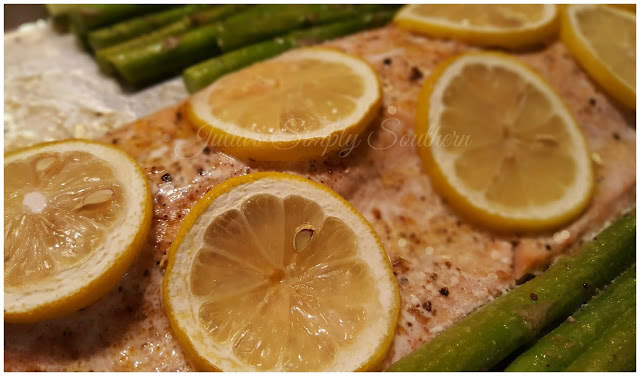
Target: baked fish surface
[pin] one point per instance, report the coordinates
(445, 266)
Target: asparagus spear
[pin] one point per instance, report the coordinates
(92, 16)
(202, 74)
(60, 15)
(158, 60)
(556, 350)
(129, 29)
(252, 27)
(486, 336)
(106, 56)
(167, 57)
(615, 351)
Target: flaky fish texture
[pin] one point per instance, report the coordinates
(445, 266)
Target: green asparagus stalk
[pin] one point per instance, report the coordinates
(149, 63)
(202, 74)
(107, 56)
(59, 14)
(251, 27)
(129, 29)
(55, 10)
(167, 57)
(486, 336)
(555, 351)
(92, 16)
(615, 351)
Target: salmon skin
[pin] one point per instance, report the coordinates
(445, 266)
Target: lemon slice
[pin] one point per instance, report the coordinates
(500, 144)
(300, 105)
(274, 272)
(503, 25)
(603, 40)
(76, 214)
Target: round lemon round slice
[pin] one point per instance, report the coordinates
(274, 272)
(500, 145)
(501, 25)
(299, 105)
(76, 215)
(603, 40)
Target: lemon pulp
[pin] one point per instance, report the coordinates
(281, 283)
(58, 207)
(603, 39)
(503, 16)
(612, 39)
(277, 97)
(521, 155)
(502, 146)
(303, 104)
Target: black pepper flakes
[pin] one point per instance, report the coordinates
(387, 61)
(427, 306)
(444, 291)
(415, 74)
(533, 296)
(547, 246)
(592, 101)
(616, 136)
(409, 324)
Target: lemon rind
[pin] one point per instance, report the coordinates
(110, 274)
(221, 190)
(484, 216)
(290, 148)
(588, 59)
(513, 38)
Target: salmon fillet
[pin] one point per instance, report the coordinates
(445, 266)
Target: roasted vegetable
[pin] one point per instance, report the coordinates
(488, 335)
(264, 22)
(615, 351)
(106, 56)
(92, 16)
(129, 29)
(151, 62)
(202, 74)
(556, 350)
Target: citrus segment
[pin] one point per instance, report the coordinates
(279, 281)
(288, 107)
(603, 40)
(76, 214)
(502, 147)
(503, 25)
